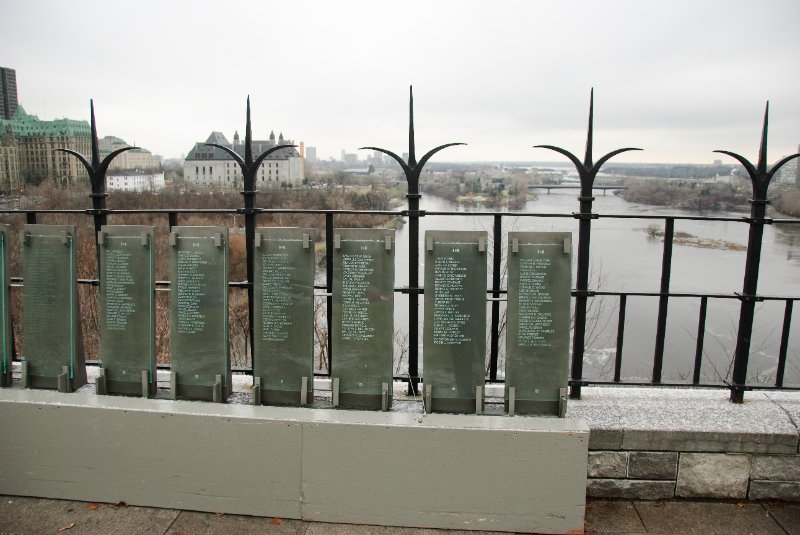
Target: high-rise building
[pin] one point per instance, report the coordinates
(8, 93)
(311, 154)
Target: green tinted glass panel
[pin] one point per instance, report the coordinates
(51, 316)
(363, 312)
(127, 309)
(538, 318)
(198, 309)
(5, 314)
(454, 336)
(284, 312)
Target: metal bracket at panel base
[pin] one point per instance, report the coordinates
(145, 375)
(303, 391)
(428, 398)
(562, 402)
(100, 385)
(335, 391)
(63, 380)
(257, 391)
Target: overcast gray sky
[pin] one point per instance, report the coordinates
(677, 78)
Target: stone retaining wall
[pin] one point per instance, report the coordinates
(658, 475)
(655, 444)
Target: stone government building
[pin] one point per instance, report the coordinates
(27, 150)
(211, 166)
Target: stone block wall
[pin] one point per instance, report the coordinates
(658, 475)
(657, 444)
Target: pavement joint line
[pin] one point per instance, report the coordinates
(639, 515)
(173, 522)
(773, 518)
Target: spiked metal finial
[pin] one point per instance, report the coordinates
(412, 157)
(95, 144)
(587, 161)
(96, 169)
(412, 169)
(248, 165)
(760, 176)
(248, 137)
(587, 171)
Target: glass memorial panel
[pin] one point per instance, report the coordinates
(127, 308)
(454, 334)
(538, 319)
(5, 307)
(284, 313)
(198, 311)
(363, 315)
(50, 307)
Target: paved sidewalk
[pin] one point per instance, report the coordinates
(34, 516)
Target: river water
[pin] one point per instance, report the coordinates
(625, 258)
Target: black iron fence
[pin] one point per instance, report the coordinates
(587, 171)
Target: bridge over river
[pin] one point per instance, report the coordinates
(549, 187)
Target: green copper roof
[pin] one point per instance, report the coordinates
(25, 125)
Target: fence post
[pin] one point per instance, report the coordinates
(249, 168)
(587, 172)
(663, 300)
(329, 287)
(97, 179)
(494, 335)
(760, 176)
(412, 171)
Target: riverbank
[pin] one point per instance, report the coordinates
(691, 195)
(787, 202)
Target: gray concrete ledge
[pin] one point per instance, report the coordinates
(407, 469)
(639, 437)
(691, 420)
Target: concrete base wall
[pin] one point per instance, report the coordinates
(445, 471)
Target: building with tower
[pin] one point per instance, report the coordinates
(213, 167)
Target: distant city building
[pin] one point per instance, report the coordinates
(311, 154)
(135, 181)
(211, 166)
(28, 155)
(351, 158)
(8, 93)
(140, 159)
(405, 157)
(376, 160)
(790, 172)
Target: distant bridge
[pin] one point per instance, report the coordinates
(548, 187)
